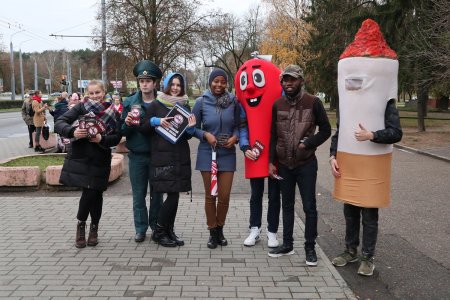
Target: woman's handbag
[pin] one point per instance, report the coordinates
(45, 132)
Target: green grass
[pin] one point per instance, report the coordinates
(10, 109)
(41, 161)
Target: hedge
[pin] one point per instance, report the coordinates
(6, 104)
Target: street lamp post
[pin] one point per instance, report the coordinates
(11, 60)
(21, 68)
(35, 75)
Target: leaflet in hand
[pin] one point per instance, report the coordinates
(93, 125)
(178, 124)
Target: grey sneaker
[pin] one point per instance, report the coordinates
(344, 258)
(366, 268)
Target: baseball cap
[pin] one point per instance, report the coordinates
(292, 70)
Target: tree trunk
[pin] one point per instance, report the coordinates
(442, 103)
(422, 100)
(334, 99)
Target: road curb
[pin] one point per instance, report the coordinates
(422, 152)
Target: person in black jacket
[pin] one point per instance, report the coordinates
(354, 214)
(170, 163)
(59, 108)
(88, 163)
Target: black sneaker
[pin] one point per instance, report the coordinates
(311, 257)
(139, 237)
(281, 250)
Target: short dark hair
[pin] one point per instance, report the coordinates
(37, 92)
(167, 88)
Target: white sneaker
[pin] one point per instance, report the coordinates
(272, 241)
(253, 237)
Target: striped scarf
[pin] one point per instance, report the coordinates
(103, 111)
(169, 100)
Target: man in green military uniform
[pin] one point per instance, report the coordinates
(148, 74)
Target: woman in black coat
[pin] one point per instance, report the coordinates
(170, 163)
(88, 163)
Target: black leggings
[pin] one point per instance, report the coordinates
(91, 202)
(37, 137)
(31, 129)
(168, 211)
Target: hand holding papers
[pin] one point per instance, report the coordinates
(174, 124)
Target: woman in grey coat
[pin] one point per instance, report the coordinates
(28, 119)
(217, 115)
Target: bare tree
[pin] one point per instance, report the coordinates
(229, 40)
(49, 58)
(433, 45)
(158, 30)
(433, 39)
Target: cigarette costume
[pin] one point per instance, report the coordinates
(367, 80)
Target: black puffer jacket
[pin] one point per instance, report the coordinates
(392, 133)
(87, 164)
(170, 169)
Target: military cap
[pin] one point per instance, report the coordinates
(147, 69)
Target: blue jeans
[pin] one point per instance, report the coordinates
(352, 216)
(256, 203)
(304, 177)
(139, 169)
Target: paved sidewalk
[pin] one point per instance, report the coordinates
(14, 146)
(39, 261)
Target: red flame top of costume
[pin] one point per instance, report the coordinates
(369, 41)
(257, 87)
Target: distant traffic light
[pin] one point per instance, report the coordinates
(63, 80)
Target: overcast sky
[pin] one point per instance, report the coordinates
(41, 18)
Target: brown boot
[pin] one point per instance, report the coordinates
(80, 239)
(92, 238)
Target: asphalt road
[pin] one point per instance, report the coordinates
(12, 125)
(413, 250)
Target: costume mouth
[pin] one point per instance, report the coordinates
(252, 102)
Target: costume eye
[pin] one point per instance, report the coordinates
(353, 84)
(258, 78)
(243, 80)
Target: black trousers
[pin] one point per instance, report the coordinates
(31, 129)
(370, 228)
(256, 203)
(304, 177)
(168, 211)
(91, 203)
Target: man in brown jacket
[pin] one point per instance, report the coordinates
(293, 143)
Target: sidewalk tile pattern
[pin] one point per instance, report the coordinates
(39, 261)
